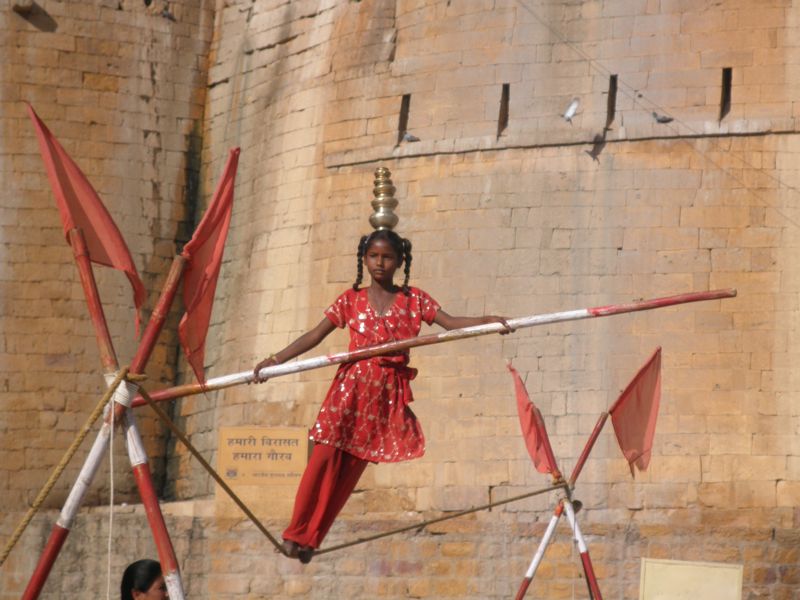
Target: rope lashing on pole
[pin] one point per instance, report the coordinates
(226, 381)
(59, 469)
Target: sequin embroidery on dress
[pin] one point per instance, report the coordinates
(365, 411)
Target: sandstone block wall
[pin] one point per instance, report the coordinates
(122, 88)
(542, 215)
(477, 558)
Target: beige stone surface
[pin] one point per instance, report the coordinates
(548, 216)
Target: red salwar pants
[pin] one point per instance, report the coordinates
(326, 485)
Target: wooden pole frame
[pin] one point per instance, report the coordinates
(119, 403)
(138, 458)
(565, 505)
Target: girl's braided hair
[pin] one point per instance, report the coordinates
(401, 246)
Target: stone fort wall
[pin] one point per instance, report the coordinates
(511, 210)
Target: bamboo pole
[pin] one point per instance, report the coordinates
(108, 358)
(152, 508)
(92, 463)
(591, 580)
(576, 470)
(226, 381)
(539, 555)
(62, 464)
(156, 323)
(583, 550)
(81, 254)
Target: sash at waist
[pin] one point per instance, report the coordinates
(397, 362)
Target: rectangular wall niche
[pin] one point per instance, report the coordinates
(611, 106)
(502, 117)
(402, 124)
(725, 97)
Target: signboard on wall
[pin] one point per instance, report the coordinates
(682, 580)
(262, 456)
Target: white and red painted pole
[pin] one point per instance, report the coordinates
(121, 399)
(226, 381)
(537, 558)
(559, 510)
(144, 481)
(587, 448)
(591, 579)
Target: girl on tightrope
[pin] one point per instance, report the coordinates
(365, 416)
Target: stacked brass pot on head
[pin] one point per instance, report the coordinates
(384, 202)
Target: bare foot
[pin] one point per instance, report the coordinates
(291, 548)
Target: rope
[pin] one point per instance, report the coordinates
(48, 486)
(110, 505)
(210, 470)
(278, 546)
(377, 536)
(123, 374)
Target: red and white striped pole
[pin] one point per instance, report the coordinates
(591, 579)
(559, 510)
(144, 481)
(226, 381)
(537, 558)
(121, 398)
(136, 451)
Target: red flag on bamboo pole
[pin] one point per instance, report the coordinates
(533, 429)
(204, 258)
(635, 412)
(80, 206)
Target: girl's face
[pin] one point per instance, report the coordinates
(381, 261)
(157, 591)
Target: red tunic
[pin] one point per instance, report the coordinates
(366, 412)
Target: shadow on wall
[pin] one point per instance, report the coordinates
(35, 15)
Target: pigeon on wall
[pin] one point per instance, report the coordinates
(571, 110)
(662, 118)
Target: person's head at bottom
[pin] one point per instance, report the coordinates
(143, 580)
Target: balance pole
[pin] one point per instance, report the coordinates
(124, 393)
(297, 366)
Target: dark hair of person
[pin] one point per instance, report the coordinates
(139, 576)
(401, 246)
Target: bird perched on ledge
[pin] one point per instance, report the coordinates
(663, 119)
(571, 110)
(407, 137)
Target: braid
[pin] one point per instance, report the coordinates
(362, 247)
(407, 264)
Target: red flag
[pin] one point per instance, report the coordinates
(533, 430)
(80, 206)
(204, 256)
(635, 411)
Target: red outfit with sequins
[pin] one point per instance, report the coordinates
(366, 411)
(365, 414)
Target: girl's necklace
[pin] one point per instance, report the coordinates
(379, 308)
